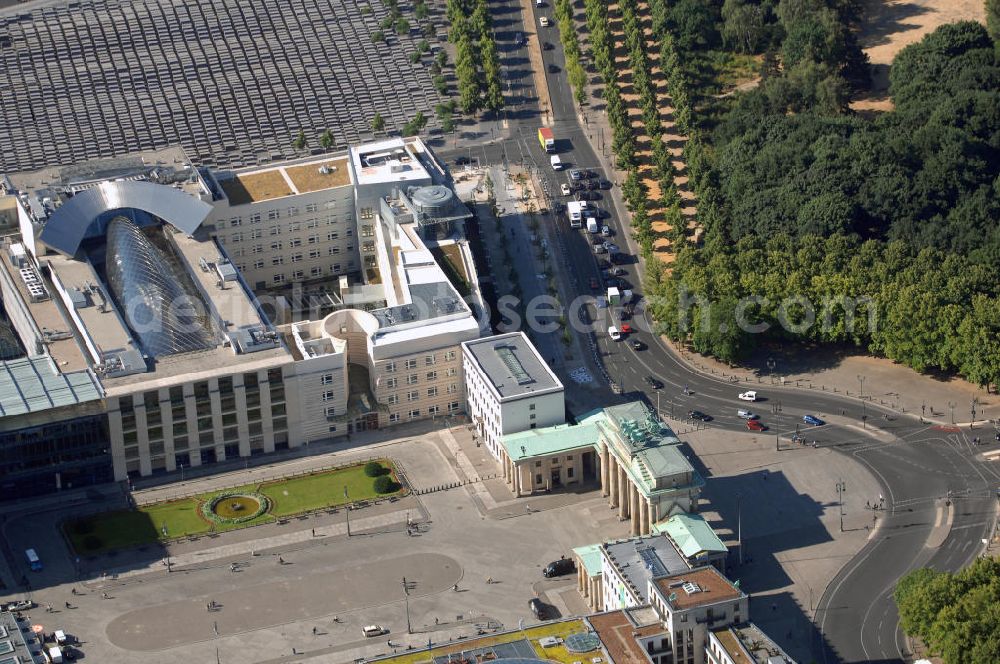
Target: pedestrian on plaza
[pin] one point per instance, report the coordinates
(489, 580)
(208, 607)
(314, 532)
(68, 606)
(455, 587)
(437, 621)
(281, 561)
(105, 596)
(314, 631)
(868, 504)
(336, 619)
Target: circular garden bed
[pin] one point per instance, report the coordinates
(235, 507)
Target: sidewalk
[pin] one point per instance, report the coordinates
(887, 385)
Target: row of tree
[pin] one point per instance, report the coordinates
(477, 61)
(918, 188)
(956, 615)
(576, 74)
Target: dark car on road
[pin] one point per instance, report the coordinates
(462, 161)
(519, 39)
(537, 608)
(813, 420)
(554, 69)
(618, 259)
(558, 568)
(698, 415)
(604, 184)
(653, 382)
(547, 46)
(638, 345)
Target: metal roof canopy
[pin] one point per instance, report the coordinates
(68, 225)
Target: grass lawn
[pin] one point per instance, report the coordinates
(182, 518)
(533, 634)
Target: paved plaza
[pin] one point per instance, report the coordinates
(467, 535)
(233, 82)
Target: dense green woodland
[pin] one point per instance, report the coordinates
(800, 197)
(957, 615)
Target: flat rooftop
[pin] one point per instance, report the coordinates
(32, 385)
(697, 587)
(618, 635)
(747, 643)
(286, 179)
(512, 365)
(391, 160)
(17, 643)
(639, 559)
(692, 534)
(548, 441)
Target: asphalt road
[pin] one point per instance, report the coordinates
(920, 467)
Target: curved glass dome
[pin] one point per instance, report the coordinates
(158, 304)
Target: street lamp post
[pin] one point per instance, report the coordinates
(739, 525)
(861, 379)
(406, 600)
(864, 406)
(951, 407)
(841, 487)
(975, 401)
(777, 429)
(347, 511)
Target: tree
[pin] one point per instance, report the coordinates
(440, 84)
(420, 11)
(402, 26)
(743, 25)
(384, 484)
(378, 36)
(378, 122)
(993, 20)
(326, 139)
(374, 469)
(300, 141)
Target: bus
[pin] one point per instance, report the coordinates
(34, 562)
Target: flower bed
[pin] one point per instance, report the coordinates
(211, 509)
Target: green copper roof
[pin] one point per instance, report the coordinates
(590, 555)
(692, 534)
(549, 440)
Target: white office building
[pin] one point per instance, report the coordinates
(509, 389)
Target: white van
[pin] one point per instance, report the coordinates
(556, 162)
(614, 333)
(374, 630)
(55, 655)
(592, 225)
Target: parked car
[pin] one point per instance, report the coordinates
(746, 414)
(604, 184)
(592, 185)
(544, 21)
(618, 271)
(698, 415)
(462, 161)
(575, 174)
(611, 247)
(618, 259)
(749, 395)
(813, 420)
(755, 425)
(654, 382)
(374, 630)
(547, 46)
(599, 249)
(537, 608)
(564, 188)
(18, 605)
(638, 345)
(519, 39)
(603, 263)
(554, 68)
(558, 568)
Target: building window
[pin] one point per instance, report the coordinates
(453, 407)
(312, 223)
(257, 249)
(390, 367)
(569, 458)
(326, 379)
(333, 235)
(538, 464)
(390, 383)
(237, 237)
(311, 207)
(294, 227)
(278, 279)
(316, 271)
(434, 410)
(569, 472)
(367, 213)
(328, 395)
(293, 212)
(432, 375)
(313, 239)
(452, 388)
(277, 246)
(278, 260)
(533, 425)
(296, 257)
(392, 399)
(295, 242)
(415, 413)
(538, 479)
(333, 250)
(314, 254)
(273, 214)
(331, 411)
(411, 364)
(432, 391)
(255, 218)
(531, 407)
(412, 395)
(429, 360)
(450, 355)
(531, 417)
(394, 418)
(255, 234)
(258, 264)
(452, 371)
(236, 221)
(335, 268)
(411, 379)
(274, 230)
